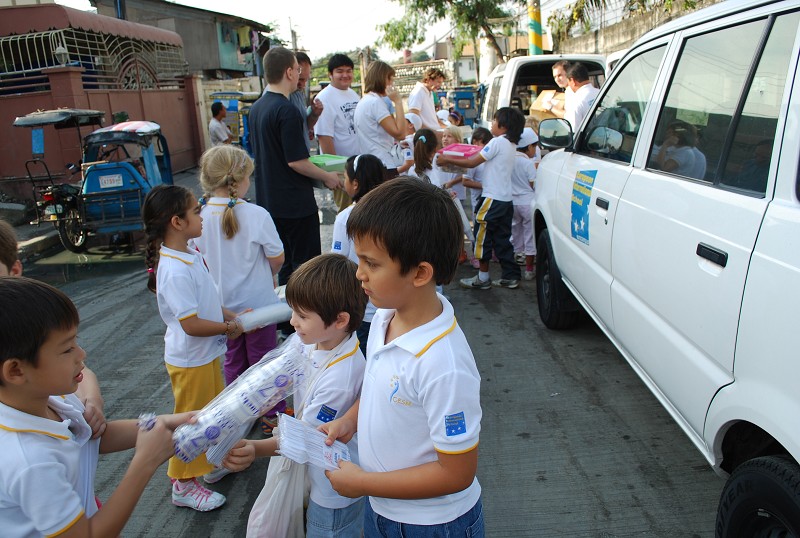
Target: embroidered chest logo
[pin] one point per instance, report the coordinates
(394, 384)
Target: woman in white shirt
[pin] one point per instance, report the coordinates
(379, 129)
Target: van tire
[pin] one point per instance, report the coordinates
(761, 498)
(552, 295)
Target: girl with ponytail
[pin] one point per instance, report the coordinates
(197, 324)
(243, 251)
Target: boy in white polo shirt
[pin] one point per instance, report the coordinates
(495, 210)
(418, 419)
(49, 458)
(327, 307)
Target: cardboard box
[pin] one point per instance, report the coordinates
(538, 112)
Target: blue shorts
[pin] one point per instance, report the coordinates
(469, 525)
(334, 522)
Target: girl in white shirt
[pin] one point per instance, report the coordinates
(425, 145)
(241, 247)
(197, 324)
(244, 252)
(362, 173)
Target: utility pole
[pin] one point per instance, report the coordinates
(534, 28)
(294, 35)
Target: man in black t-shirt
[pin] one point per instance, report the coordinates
(284, 175)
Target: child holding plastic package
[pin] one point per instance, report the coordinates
(419, 415)
(495, 210)
(197, 325)
(49, 457)
(325, 317)
(88, 389)
(243, 251)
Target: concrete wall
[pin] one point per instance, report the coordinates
(624, 33)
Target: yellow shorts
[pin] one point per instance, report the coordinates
(193, 388)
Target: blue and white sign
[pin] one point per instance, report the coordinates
(581, 197)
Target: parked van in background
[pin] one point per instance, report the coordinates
(672, 216)
(520, 80)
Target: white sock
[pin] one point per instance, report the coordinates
(484, 276)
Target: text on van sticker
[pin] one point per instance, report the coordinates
(581, 196)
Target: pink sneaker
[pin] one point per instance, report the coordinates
(193, 495)
(476, 263)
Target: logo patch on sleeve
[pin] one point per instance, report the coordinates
(455, 424)
(326, 414)
(337, 245)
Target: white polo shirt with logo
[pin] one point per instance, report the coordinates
(240, 265)
(184, 288)
(496, 175)
(335, 391)
(47, 475)
(421, 396)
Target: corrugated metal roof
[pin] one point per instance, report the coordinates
(20, 20)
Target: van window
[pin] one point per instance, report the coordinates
(750, 151)
(622, 106)
(493, 96)
(702, 98)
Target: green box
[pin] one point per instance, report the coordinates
(329, 163)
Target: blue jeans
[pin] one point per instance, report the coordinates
(469, 525)
(334, 522)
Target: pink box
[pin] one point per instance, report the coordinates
(460, 150)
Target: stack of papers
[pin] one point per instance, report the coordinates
(302, 443)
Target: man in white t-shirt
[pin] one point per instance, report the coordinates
(217, 130)
(420, 100)
(335, 128)
(576, 108)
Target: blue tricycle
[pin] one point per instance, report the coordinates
(120, 164)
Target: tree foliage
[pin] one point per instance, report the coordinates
(579, 14)
(469, 17)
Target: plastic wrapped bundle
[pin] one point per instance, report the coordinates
(228, 417)
(266, 315)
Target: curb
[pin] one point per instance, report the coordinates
(35, 246)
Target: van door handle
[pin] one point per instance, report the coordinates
(712, 254)
(602, 203)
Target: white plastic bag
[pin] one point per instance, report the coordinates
(278, 510)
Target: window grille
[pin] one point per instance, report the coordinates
(109, 61)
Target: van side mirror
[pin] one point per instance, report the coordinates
(604, 140)
(555, 133)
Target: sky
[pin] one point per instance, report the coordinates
(322, 26)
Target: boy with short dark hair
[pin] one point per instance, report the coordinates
(49, 458)
(418, 419)
(89, 389)
(327, 307)
(495, 209)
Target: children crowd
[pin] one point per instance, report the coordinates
(370, 314)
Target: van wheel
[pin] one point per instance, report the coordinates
(761, 499)
(551, 292)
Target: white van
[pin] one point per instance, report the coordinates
(672, 216)
(521, 79)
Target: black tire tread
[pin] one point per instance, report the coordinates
(782, 469)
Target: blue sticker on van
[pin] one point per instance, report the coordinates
(581, 197)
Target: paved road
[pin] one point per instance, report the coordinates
(572, 442)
